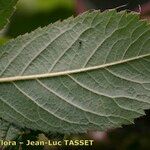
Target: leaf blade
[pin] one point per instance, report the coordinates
(76, 75)
(7, 131)
(6, 10)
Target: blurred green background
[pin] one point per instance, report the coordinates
(31, 14)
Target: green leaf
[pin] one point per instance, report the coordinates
(88, 72)
(6, 10)
(3, 40)
(7, 131)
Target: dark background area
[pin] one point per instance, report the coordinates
(31, 14)
(107, 4)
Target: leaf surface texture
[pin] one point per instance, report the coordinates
(7, 131)
(6, 10)
(88, 72)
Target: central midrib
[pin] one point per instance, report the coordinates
(68, 72)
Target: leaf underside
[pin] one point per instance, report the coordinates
(88, 72)
(7, 131)
(6, 10)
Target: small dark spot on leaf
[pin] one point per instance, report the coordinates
(80, 42)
